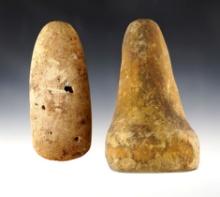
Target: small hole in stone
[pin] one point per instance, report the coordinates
(76, 139)
(68, 89)
(43, 107)
(50, 132)
(36, 104)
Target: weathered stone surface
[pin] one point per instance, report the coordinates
(149, 131)
(60, 109)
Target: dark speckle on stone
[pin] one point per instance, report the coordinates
(68, 89)
(64, 152)
(83, 121)
(76, 139)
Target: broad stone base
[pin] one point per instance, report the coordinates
(130, 152)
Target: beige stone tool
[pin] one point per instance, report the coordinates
(149, 130)
(60, 109)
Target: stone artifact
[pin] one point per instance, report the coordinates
(60, 108)
(149, 130)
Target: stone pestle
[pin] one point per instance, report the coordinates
(149, 131)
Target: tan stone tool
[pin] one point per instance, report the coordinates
(60, 108)
(149, 131)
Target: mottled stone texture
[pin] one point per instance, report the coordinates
(60, 109)
(149, 131)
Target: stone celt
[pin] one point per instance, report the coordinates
(60, 109)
